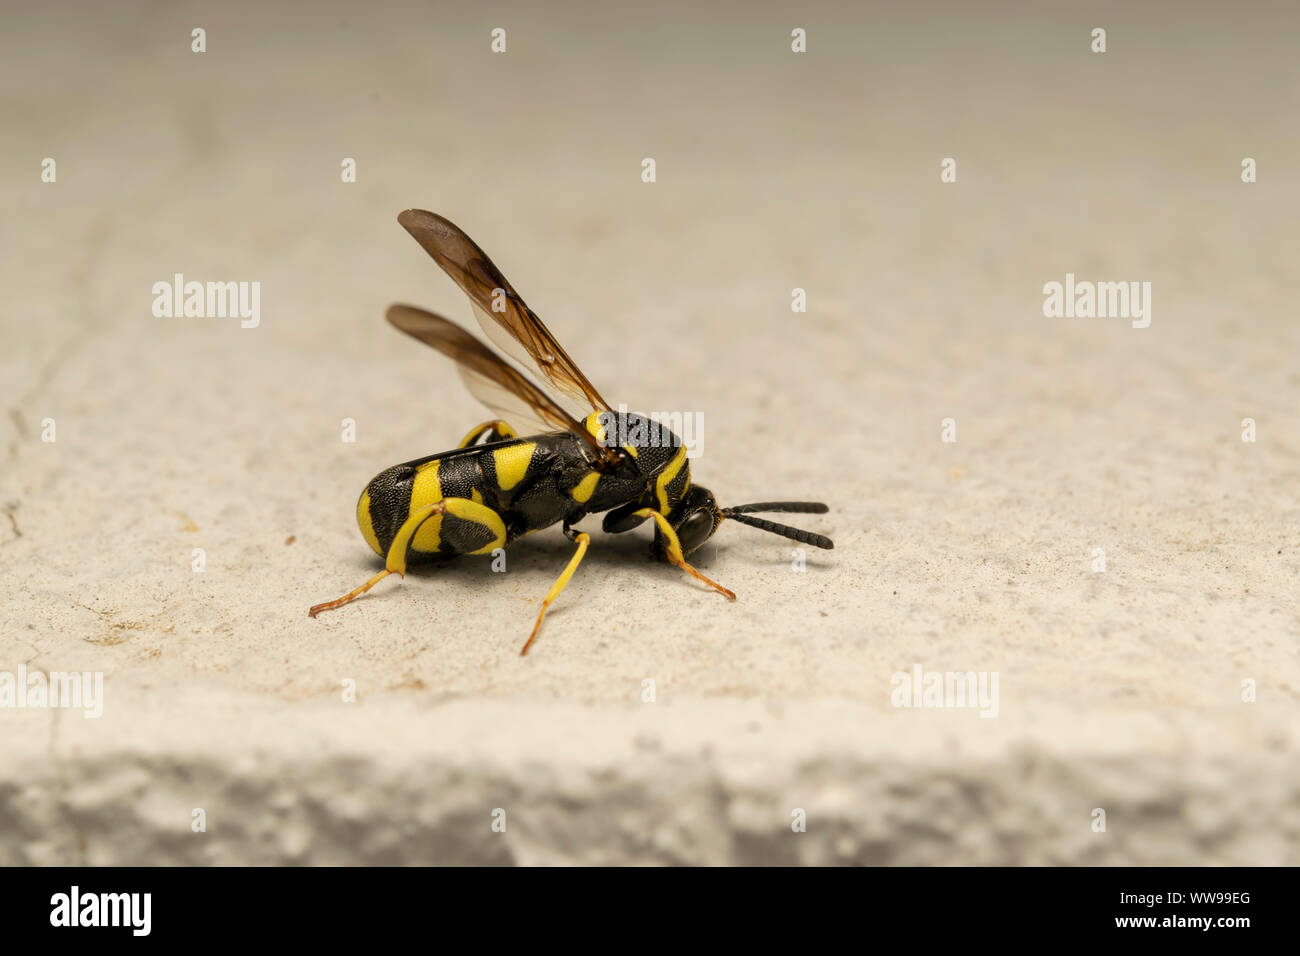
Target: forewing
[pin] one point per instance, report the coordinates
(500, 386)
(504, 316)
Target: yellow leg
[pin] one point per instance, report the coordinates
(478, 431)
(675, 551)
(396, 562)
(557, 587)
(350, 596)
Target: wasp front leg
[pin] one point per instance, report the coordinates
(673, 550)
(474, 529)
(495, 430)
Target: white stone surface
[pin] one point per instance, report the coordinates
(1119, 690)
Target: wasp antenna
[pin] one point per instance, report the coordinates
(785, 531)
(789, 507)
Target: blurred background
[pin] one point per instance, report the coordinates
(775, 171)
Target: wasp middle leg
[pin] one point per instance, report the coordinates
(495, 430)
(581, 539)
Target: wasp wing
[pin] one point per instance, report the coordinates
(500, 386)
(504, 316)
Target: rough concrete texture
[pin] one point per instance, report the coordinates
(1119, 690)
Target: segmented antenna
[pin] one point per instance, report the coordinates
(742, 513)
(788, 507)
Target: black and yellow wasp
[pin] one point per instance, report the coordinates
(485, 494)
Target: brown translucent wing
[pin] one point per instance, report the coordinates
(491, 380)
(505, 317)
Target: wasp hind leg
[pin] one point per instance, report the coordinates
(674, 549)
(473, 529)
(495, 430)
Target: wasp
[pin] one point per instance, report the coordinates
(497, 485)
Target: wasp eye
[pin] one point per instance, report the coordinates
(695, 530)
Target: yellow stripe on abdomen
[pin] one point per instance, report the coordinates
(366, 525)
(511, 464)
(425, 490)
